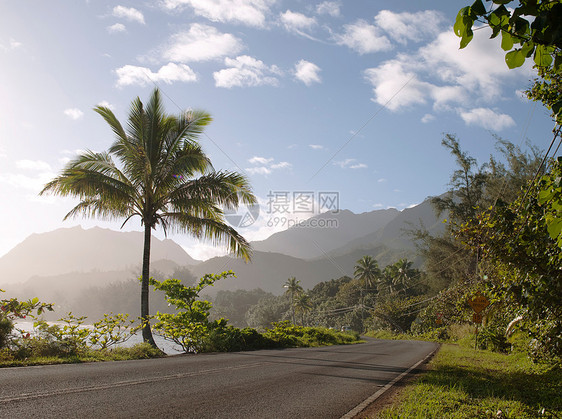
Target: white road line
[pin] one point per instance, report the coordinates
(365, 403)
(29, 396)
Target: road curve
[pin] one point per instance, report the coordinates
(324, 382)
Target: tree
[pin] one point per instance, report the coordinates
(189, 326)
(404, 274)
(163, 176)
(293, 289)
(534, 25)
(367, 270)
(522, 260)
(467, 184)
(303, 305)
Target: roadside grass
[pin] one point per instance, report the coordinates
(139, 351)
(462, 382)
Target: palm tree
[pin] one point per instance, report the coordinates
(162, 176)
(293, 289)
(303, 305)
(403, 274)
(367, 270)
(387, 281)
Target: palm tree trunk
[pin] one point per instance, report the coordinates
(146, 331)
(293, 306)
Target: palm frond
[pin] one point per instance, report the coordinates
(215, 231)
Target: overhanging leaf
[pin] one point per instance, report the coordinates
(514, 58)
(507, 41)
(554, 227)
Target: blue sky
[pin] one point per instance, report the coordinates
(349, 97)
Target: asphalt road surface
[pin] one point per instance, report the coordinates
(324, 382)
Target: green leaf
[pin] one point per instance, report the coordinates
(542, 56)
(520, 26)
(514, 58)
(527, 48)
(465, 40)
(494, 20)
(459, 26)
(478, 8)
(557, 107)
(501, 1)
(544, 196)
(507, 41)
(554, 227)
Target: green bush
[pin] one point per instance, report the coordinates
(139, 351)
(226, 338)
(6, 327)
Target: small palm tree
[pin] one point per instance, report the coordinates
(162, 176)
(303, 305)
(387, 280)
(293, 289)
(403, 274)
(367, 270)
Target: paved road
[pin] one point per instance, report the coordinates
(293, 383)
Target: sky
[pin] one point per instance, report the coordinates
(321, 104)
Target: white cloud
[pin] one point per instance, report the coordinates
(442, 75)
(246, 71)
(281, 165)
(12, 44)
(487, 118)
(381, 180)
(316, 146)
(201, 43)
(363, 38)
(358, 166)
(427, 118)
(331, 8)
(247, 12)
(266, 165)
(35, 165)
(118, 27)
(42, 173)
(404, 27)
(307, 72)
(479, 67)
(73, 113)
(129, 13)
(260, 170)
(260, 160)
(106, 104)
(350, 164)
(395, 86)
(132, 75)
(297, 22)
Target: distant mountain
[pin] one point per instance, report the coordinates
(74, 249)
(395, 234)
(323, 233)
(269, 271)
(67, 263)
(387, 241)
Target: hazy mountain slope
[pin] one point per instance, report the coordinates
(269, 271)
(395, 233)
(77, 250)
(318, 236)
